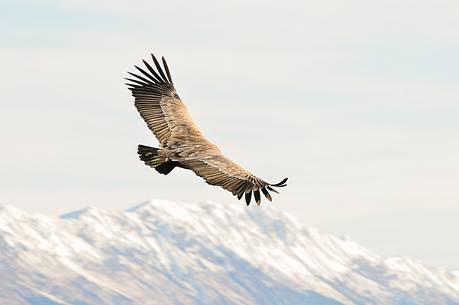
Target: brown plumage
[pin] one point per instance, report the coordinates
(181, 142)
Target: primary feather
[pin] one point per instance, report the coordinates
(181, 142)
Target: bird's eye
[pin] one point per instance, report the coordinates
(176, 95)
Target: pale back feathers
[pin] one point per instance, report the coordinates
(180, 139)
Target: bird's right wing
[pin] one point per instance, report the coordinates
(156, 99)
(220, 170)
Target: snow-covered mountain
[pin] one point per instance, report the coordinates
(165, 252)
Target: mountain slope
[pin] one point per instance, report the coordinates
(184, 253)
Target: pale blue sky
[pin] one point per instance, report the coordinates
(355, 101)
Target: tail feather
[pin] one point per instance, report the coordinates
(149, 155)
(166, 167)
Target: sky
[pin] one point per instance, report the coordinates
(355, 101)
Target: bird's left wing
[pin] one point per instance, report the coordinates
(220, 170)
(155, 96)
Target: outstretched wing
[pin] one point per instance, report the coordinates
(221, 171)
(154, 94)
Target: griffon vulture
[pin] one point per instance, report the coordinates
(181, 143)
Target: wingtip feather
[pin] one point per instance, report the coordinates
(158, 67)
(167, 70)
(267, 194)
(257, 197)
(280, 183)
(271, 189)
(248, 197)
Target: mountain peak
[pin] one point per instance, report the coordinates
(80, 213)
(10, 210)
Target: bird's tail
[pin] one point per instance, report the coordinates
(149, 155)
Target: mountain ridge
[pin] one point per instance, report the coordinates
(164, 252)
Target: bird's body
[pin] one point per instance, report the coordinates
(181, 142)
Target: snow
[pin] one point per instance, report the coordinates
(163, 252)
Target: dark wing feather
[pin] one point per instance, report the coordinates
(167, 71)
(160, 70)
(221, 171)
(153, 94)
(152, 71)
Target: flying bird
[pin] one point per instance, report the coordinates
(181, 143)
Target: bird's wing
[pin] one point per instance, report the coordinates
(156, 99)
(221, 171)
